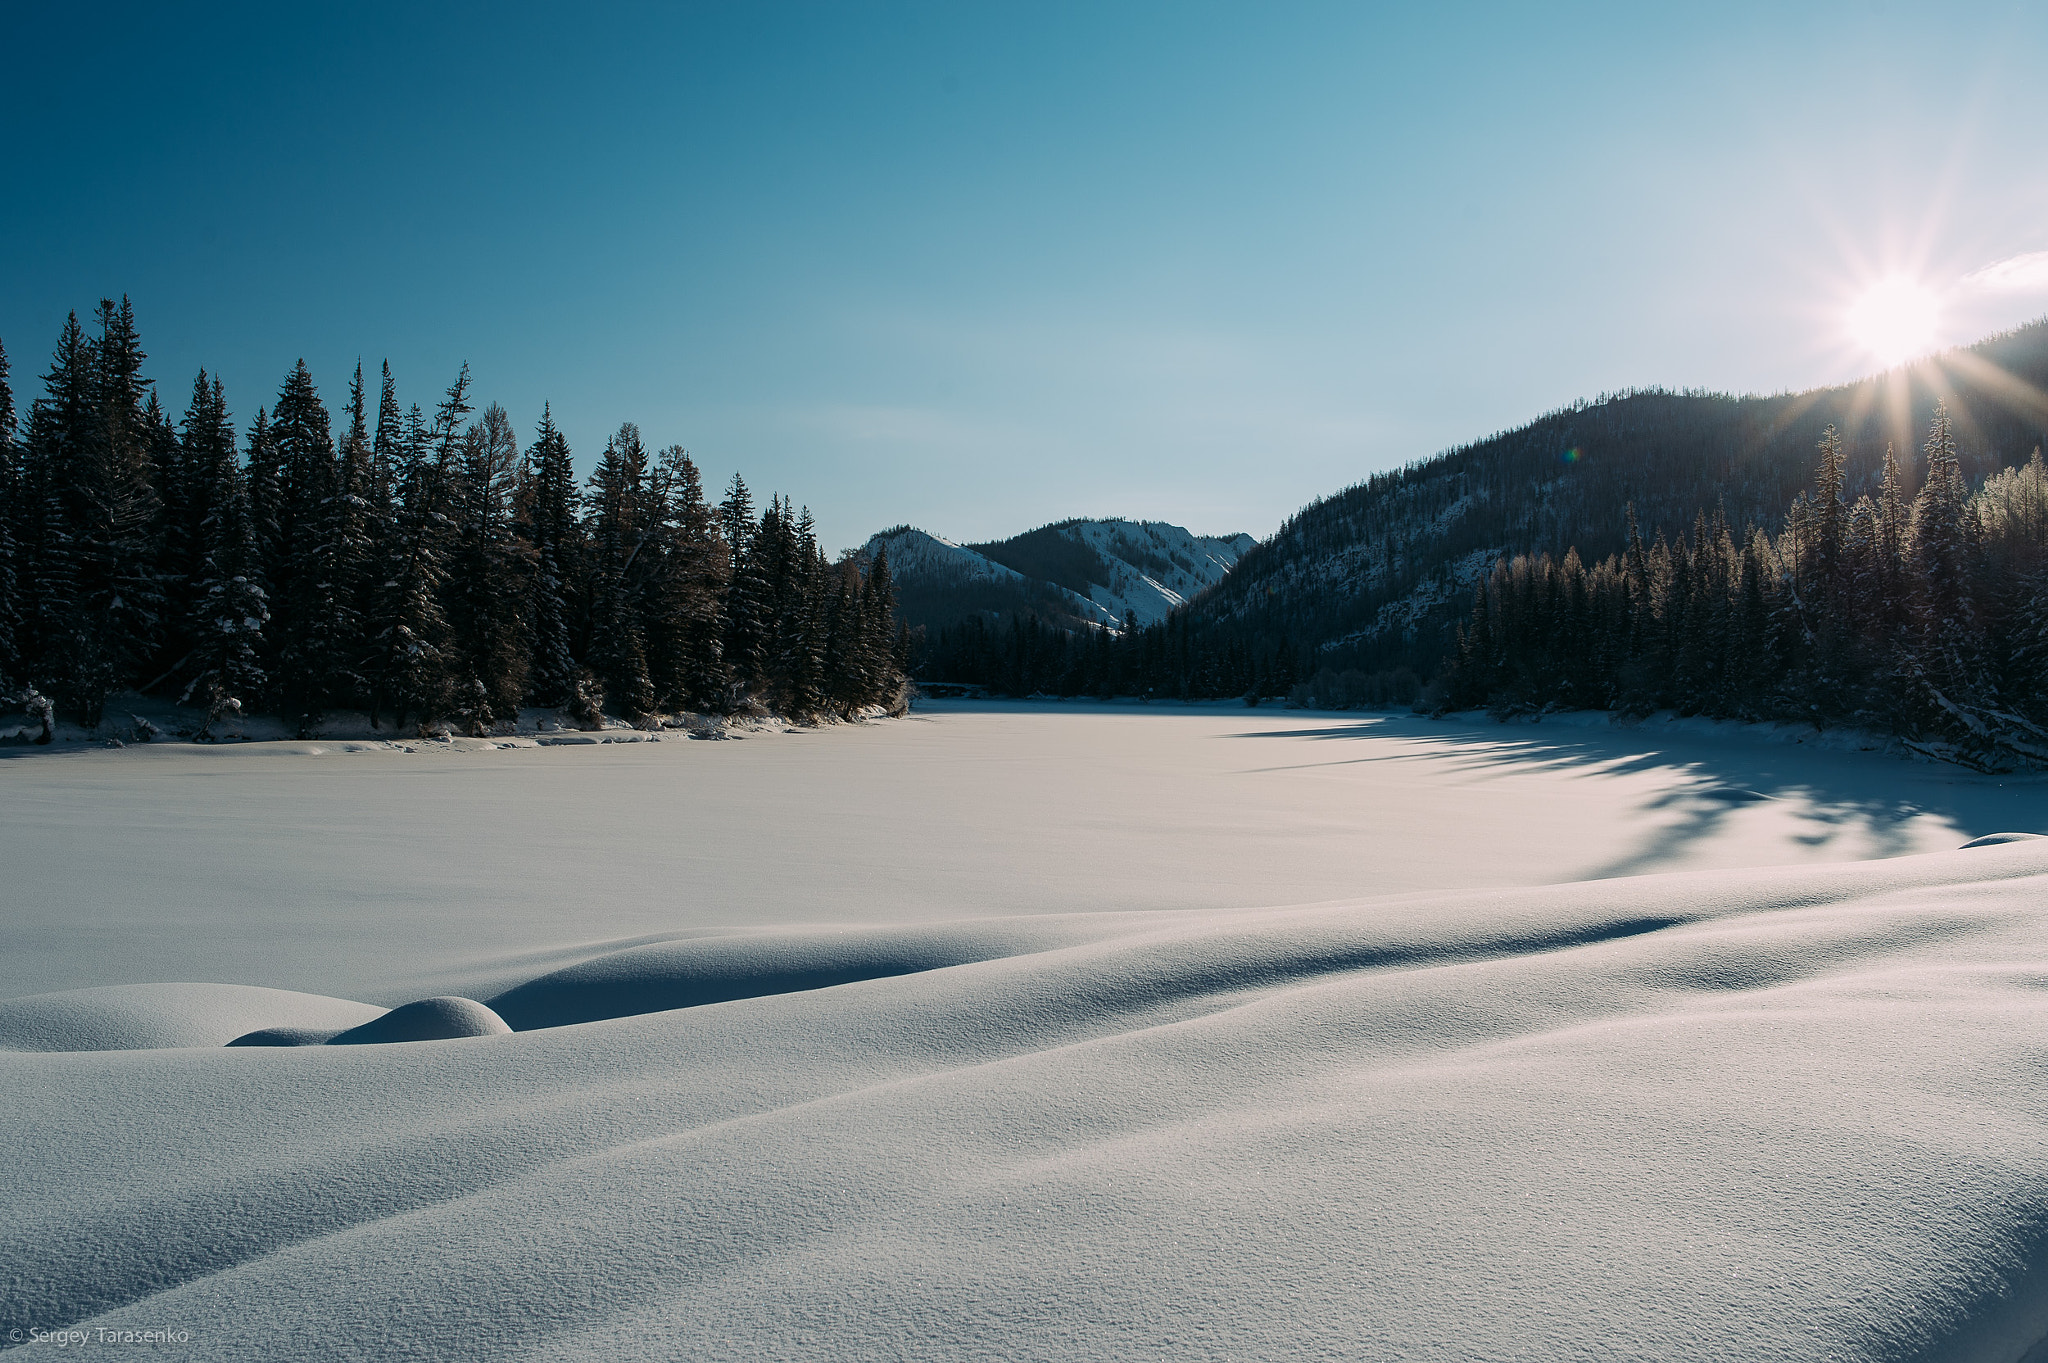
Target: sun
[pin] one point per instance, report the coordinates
(1895, 319)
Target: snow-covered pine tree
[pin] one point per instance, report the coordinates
(225, 670)
(549, 530)
(11, 541)
(177, 539)
(617, 501)
(681, 599)
(702, 578)
(745, 605)
(882, 663)
(802, 644)
(387, 446)
(845, 684)
(308, 600)
(61, 479)
(347, 536)
(264, 480)
(485, 574)
(411, 669)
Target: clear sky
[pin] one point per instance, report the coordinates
(978, 266)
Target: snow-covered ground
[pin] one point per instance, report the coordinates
(1033, 1032)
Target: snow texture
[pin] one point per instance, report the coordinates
(1006, 1058)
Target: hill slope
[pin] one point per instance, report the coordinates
(1375, 576)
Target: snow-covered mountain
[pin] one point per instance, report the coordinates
(1078, 572)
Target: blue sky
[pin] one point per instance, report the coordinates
(980, 266)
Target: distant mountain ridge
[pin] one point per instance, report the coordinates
(1075, 573)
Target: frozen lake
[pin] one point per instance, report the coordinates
(382, 874)
(1030, 1032)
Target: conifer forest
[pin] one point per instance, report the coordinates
(1924, 617)
(1919, 612)
(418, 566)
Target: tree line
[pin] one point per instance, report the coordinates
(1918, 613)
(421, 568)
(1028, 655)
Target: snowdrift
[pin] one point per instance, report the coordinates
(1794, 1113)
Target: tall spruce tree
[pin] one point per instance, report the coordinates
(746, 603)
(346, 538)
(548, 526)
(681, 600)
(617, 501)
(490, 647)
(309, 601)
(12, 502)
(230, 609)
(413, 669)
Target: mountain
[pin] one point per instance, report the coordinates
(1375, 576)
(1071, 574)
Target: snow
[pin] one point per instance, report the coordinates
(1125, 548)
(1035, 1032)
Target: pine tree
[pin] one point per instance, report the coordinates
(618, 650)
(346, 538)
(802, 642)
(684, 585)
(310, 607)
(62, 492)
(881, 655)
(225, 671)
(745, 604)
(387, 449)
(549, 529)
(490, 650)
(11, 542)
(412, 669)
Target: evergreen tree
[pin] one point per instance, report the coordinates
(412, 669)
(549, 528)
(684, 583)
(225, 670)
(311, 606)
(490, 648)
(11, 542)
(347, 538)
(617, 499)
(63, 490)
(745, 600)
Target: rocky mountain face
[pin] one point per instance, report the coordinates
(1073, 573)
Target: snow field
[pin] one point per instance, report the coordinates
(1779, 1100)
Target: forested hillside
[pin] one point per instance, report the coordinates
(422, 568)
(1874, 554)
(1376, 576)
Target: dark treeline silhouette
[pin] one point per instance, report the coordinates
(1925, 617)
(421, 568)
(1025, 655)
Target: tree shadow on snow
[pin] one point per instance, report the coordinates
(1710, 778)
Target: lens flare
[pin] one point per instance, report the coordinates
(1895, 319)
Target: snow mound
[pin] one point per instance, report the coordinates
(131, 1017)
(1790, 1113)
(1996, 839)
(690, 973)
(442, 1018)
